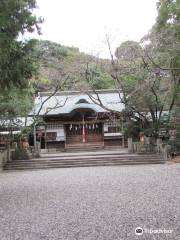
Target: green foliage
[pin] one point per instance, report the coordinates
(17, 64)
(16, 17)
(168, 14)
(57, 62)
(20, 154)
(16, 60)
(174, 140)
(15, 102)
(130, 80)
(132, 129)
(167, 31)
(97, 79)
(128, 50)
(150, 76)
(47, 50)
(146, 93)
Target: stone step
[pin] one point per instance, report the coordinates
(89, 157)
(86, 154)
(81, 165)
(79, 160)
(14, 165)
(83, 160)
(80, 149)
(85, 146)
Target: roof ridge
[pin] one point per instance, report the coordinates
(62, 93)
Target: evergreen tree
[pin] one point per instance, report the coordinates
(16, 62)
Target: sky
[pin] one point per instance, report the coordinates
(85, 23)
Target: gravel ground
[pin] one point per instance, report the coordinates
(104, 203)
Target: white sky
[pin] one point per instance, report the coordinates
(85, 23)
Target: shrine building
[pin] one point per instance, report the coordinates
(76, 120)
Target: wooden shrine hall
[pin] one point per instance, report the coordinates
(76, 120)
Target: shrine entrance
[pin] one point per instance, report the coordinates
(85, 129)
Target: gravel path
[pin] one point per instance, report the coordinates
(103, 203)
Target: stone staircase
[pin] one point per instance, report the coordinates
(84, 147)
(86, 159)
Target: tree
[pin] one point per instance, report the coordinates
(96, 77)
(168, 16)
(128, 50)
(145, 90)
(15, 102)
(16, 62)
(17, 65)
(149, 75)
(56, 59)
(163, 53)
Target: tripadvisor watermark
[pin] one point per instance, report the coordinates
(140, 231)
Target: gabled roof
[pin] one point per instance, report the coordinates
(66, 102)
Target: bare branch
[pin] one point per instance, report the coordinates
(158, 66)
(57, 88)
(98, 102)
(58, 105)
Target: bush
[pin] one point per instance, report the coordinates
(20, 154)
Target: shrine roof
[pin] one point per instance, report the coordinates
(66, 102)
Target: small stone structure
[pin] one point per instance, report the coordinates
(3, 158)
(130, 145)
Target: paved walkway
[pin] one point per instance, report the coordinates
(95, 203)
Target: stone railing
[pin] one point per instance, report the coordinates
(160, 148)
(137, 147)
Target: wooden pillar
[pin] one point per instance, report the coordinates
(103, 133)
(65, 136)
(83, 131)
(123, 144)
(45, 139)
(122, 130)
(34, 134)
